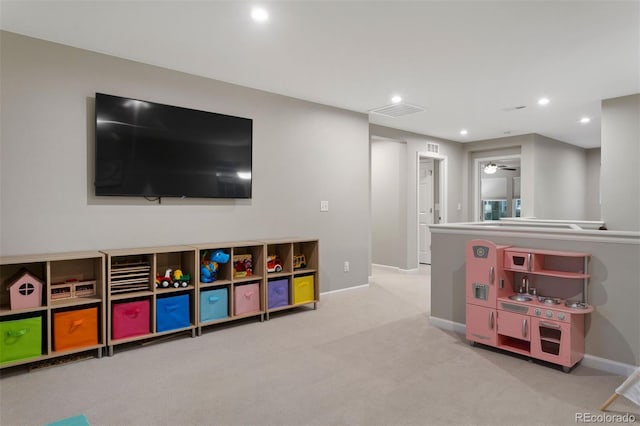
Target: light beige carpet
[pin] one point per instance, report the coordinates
(366, 357)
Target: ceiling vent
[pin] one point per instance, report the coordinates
(397, 110)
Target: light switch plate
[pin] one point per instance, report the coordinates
(324, 206)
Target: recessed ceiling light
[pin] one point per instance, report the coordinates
(259, 14)
(543, 101)
(585, 120)
(464, 132)
(396, 99)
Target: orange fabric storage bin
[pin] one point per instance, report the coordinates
(75, 329)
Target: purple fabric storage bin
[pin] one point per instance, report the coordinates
(278, 293)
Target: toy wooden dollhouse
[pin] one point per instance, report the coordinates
(25, 291)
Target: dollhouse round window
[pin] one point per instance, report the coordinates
(26, 289)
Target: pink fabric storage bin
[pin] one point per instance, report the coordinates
(130, 319)
(246, 299)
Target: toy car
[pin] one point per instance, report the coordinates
(165, 280)
(299, 261)
(180, 279)
(274, 264)
(177, 279)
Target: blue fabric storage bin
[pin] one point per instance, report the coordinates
(172, 313)
(278, 293)
(214, 304)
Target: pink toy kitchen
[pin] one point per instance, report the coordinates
(528, 301)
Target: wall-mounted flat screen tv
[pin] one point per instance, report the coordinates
(154, 150)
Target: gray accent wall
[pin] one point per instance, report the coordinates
(388, 201)
(620, 150)
(560, 175)
(302, 153)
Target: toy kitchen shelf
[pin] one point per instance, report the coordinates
(151, 292)
(502, 311)
(292, 274)
(234, 282)
(550, 263)
(51, 305)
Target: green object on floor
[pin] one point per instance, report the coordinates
(80, 420)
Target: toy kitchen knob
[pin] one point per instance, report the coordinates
(561, 316)
(537, 312)
(549, 314)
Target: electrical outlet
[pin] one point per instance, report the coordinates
(324, 206)
(346, 266)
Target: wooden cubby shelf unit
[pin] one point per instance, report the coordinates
(146, 296)
(238, 287)
(62, 306)
(298, 283)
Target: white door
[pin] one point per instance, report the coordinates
(425, 210)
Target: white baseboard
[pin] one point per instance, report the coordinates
(591, 361)
(608, 365)
(344, 289)
(448, 325)
(395, 268)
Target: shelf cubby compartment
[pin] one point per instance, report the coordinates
(513, 344)
(305, 256)
(70, 282)
(208, 274)
(24, 338)
(248, 262)
(279, 259)
(247, 299)
(214, 304)
(170, 263)
(128, 275)
(10, 272)
(174, 313)
(76, 328)
(570, 265)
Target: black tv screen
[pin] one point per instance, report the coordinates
(154, 150)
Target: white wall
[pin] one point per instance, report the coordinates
(620, 151)
(592, 202)
(302, 153)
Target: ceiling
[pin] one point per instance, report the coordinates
(469, 64)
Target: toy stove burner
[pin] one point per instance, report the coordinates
(549, 300)
(576, 304)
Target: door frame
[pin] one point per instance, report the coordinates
(442, 189)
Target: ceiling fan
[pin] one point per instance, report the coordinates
(491, 167)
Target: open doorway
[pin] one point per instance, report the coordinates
(498, 192)
(430, 204)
